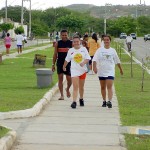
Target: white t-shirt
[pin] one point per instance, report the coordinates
(106, 60)
(129, 39)
(77, 56)
(19, 39)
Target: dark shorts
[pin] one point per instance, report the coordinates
(7, 46)
(19, 46)
(60, 69)
(107, 78)
(90, 62)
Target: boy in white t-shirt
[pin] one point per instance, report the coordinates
(104, 62)
(79, 57)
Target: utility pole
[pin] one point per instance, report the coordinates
(30, 21)
(22, 13)
(6, 12)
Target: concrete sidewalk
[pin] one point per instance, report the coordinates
(61, 128)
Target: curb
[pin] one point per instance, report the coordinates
(137, 61)
(7, 141)
(137, 130)
(34, 111)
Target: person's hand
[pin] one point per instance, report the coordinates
(121, 72)
(95, 70)
(64, 68)
(82, 64)
(53, 68)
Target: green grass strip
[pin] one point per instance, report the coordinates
(137, 142)
(3, 131)
(18, 82)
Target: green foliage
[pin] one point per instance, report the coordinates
(6, 26)
(122, 24)
(39, 28)
(70, 22)
(54, 19)
(3, 131)
(19, 29)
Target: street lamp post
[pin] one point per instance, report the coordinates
(22, 13)
(6, 12)
(105, 18)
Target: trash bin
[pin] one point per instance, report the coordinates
(1, 57)
(44, 77)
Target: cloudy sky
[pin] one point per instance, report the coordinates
(43, 4)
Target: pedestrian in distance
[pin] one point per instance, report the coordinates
(78, 55)
(129, 40)
(104, 62)
(61, 49)
(7, 42)
(93, 45)
(19, 39)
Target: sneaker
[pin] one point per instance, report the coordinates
(104, 104)
(81, 102)
(109, 104)
(73, 105)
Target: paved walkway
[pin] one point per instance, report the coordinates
(61, 128)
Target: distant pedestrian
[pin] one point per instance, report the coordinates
(57, 36)
(85, 41)
(93, 45)
(7, 42)
(129, 40)
(104, 62)
(20, 40)
(79, 57)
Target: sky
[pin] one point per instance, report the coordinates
(44, 4)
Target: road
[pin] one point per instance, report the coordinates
(140, 47)
(29, 43)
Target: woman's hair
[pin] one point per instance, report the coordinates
(85, 36)
(94, 36)
(8, 34)
(107, 36)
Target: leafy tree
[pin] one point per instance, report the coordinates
(19, 29)
(6, 26)
(70, 22)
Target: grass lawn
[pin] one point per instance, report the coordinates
(18, 87)
(134, 105)
(138, 142)
(3, 131)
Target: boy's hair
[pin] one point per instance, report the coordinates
(64, 30)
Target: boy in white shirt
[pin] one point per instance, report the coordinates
(79, 57)
(104, 62)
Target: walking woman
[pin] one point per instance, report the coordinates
(104, 62)
(7, 42)
(79, 57)
(93, 46)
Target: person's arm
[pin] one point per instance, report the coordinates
(87, 58)
(54, 57)
(64, 66)
(95, 67)
(117, 61)
(120, 68)
(84, 62)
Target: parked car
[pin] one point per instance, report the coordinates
(133, 35)
(123, 36)
(147, 37)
